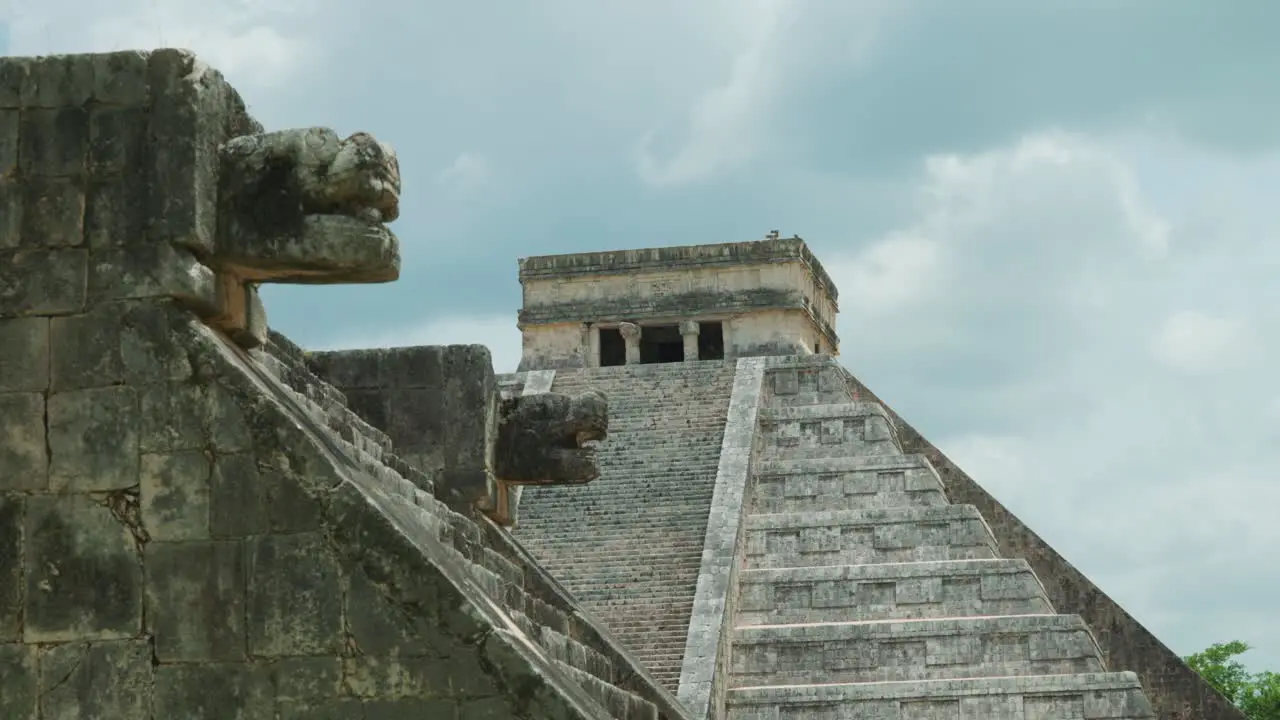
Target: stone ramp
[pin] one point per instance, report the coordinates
(629, 545)
(864, 593)
(576, 646)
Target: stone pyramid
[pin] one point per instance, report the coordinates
(198, 519)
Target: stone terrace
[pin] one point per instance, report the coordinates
(864, 594)
(629, 545)
(192, 524)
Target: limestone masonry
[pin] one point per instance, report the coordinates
(702, 302)
(681, 508)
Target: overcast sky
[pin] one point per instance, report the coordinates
(1053, 224)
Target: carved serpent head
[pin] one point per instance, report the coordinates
(542, 439)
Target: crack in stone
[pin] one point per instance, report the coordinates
(125, 506)
(79, 661)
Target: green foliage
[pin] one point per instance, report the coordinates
(1257, 694)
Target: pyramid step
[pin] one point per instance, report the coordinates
(827, 431)
(1096, 696)
(858, 537)
(881, 481)
(890, 591)
(620, 704)
(901, 650)
(807, 383)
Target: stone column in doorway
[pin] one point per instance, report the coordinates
(631, 336)
(584, 345)
(689, 330)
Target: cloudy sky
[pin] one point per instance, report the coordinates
(1054, 224)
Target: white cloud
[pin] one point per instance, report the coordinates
(499, 333)
(1053, 223)
(256, 45)
(1032, 321)
(1198, 343)
(466, 172)
(889, 275)
(722, 126)
(776, 43)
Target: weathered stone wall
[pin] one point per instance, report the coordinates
(559, 346)
(181, 534)
(107, 423)
(773, 332)
(438, 404)
(1176, 691)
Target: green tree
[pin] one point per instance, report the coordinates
(1257, 694)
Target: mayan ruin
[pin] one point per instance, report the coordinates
(682, 506)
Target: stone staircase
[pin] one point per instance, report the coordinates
(864, 594)
(629, 545)
(496, 562)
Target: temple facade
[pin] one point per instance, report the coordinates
(676, 304)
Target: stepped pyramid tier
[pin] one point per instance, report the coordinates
(889, 606)
(847, 569)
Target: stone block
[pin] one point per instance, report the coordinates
(9, 143)
(96, 680)
(43, 282)
(24, 461)
(307, 678)
(414, 416)
(251, 498)
(237, 499)
(381, 629)
(214, 692)
(786, 382)
(409, 367)
(339, 709)
(10, 214)
(191, 115)
(10, 573)
(115, 211)
(120, 78)
(458, 675)
(83, 572)
(189, 416)
(252, 331)
(117, 140)
(13, 77)
(54, 143)
(173, 416)
(294, 596)
(371, 406)
(135, 342)
(53, 213)
(55, 81)
(19, 683)
(93, 439)
(195, 599)
(174, 492)
(141, 271)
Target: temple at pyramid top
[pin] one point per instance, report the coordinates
(676, 304)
